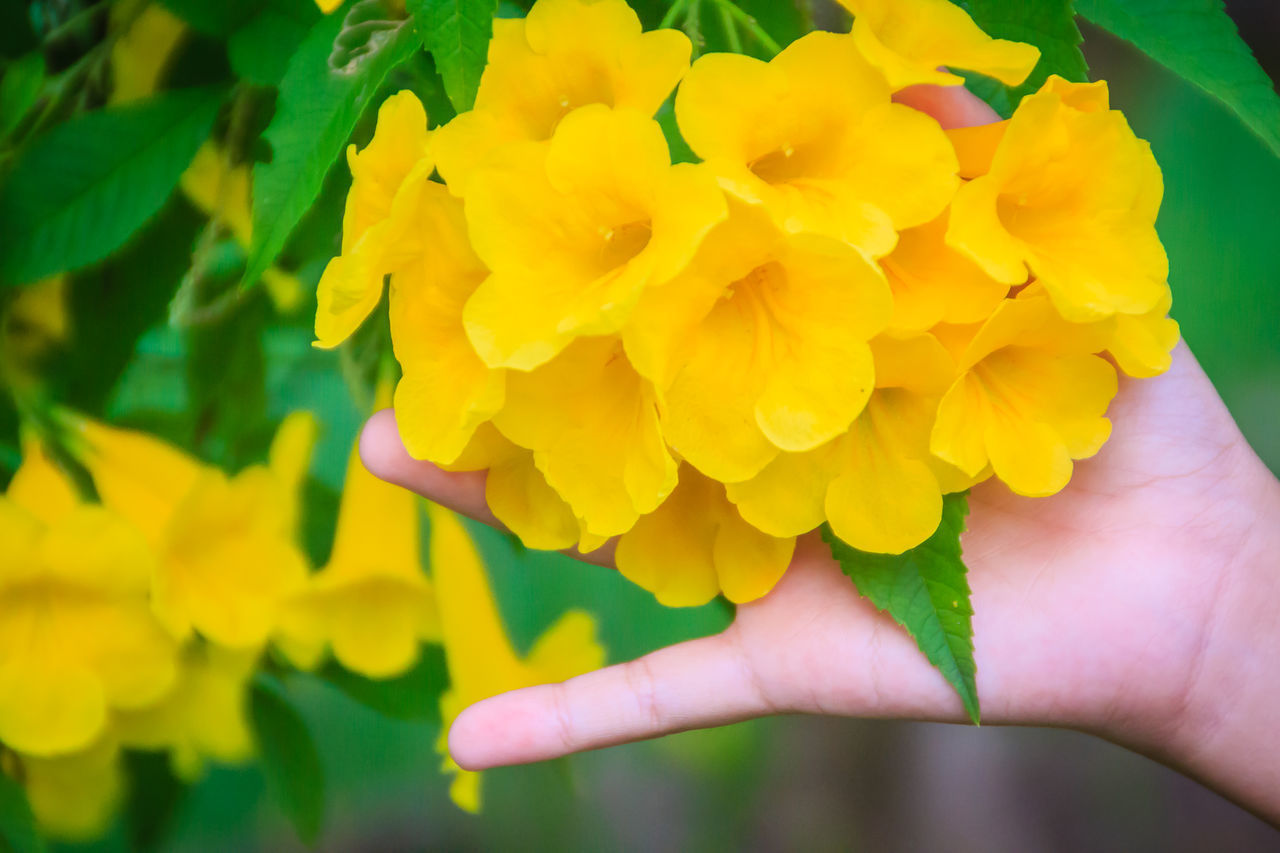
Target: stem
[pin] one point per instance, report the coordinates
(672, 13)
(751, 25)
(730, 30)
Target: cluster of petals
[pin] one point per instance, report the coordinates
(840, 313)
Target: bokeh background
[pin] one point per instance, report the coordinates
(785, 783)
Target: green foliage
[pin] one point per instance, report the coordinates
(19, 88)
(1197, 40)
(414, 696)
(289, 759)
(82, 189)
(330, 80)
(925, 590)
(1049, 25)
(156, 795)
(17, 825)
(219, 18)
(457, 33)
(260, 48)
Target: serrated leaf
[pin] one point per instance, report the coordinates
(288, 757)
(1197, 40)
(1049, 25)
(260, 48)
(85, 187)
(18, 831)
(328, 84)
(925, 591)
(18, 89)
(414, 696)
(457, 32)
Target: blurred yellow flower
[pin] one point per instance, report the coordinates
(563, 55)
(36, 319)
(814, 137)
(139, 54)
(907, 40)
(377, 227)
(572, 232)
(327, 6)
(74, 797)
(372, 603)
(480, 658)
(77, 634)
(1070, 199)
(760, 346)
(696, 545)
(1030, 396)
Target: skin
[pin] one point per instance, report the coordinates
(1138, 605)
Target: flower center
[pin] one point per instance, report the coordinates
(621, 243)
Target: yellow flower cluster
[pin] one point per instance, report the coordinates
(137, 622)
(841, 313)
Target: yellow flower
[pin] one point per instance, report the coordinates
(932, 283)
(77, 635)
(480, 658)
(372, 604)
(761, 346)
(221, 191)
(909, 39)
(204, 717)
(877, 484)
(1030, 396)
(140, 54)
(1141, 344)
(327, 6)
(1070, 199)
(813, 135)
(446, 391)
(565, 54)
(74, 797)
(229, 557)
(386, 178)
(697, 545)
(35, 321)
(592, 424)
(573, 232)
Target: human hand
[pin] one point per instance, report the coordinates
(1135, 605)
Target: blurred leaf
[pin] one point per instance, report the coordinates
(1197, 40)
(226, 385)
(926, 592)
(214, 17)
(17, 825)
(16, 36)
(155, 794)
(457, 32)
(414, 696)
(19, 88)
(321, 98)
(1049, 25)
(260, 48)
(288, 757)
(83, 188)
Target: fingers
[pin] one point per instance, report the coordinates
(952, 106)
(383, 454)
(696, 684)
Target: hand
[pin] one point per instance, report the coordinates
(1137, 604)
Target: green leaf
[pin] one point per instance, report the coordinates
(1197, 40)
(19, 88)
(1049, 25)
(289, 759)
(17, 825)
(81, 190)
(457, 33)
(330, 81)
(926, 592)
(414, 696)
(155, 796)
(260, 48)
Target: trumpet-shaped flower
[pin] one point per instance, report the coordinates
(140, 54)
(1071, 199)
(563, 55)
(1030, 397)
(371, 604)
(761, 346)
(907, 40)
(876, 484)
(592, 424)
(377, 225)
(205, 715)
(480, 658)
(1142, 344)
(74, 797)
(696, 545)
(814, 136)
(77, 635)
(573, 231)
(446, 391)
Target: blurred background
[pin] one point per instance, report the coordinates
(787, 783)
